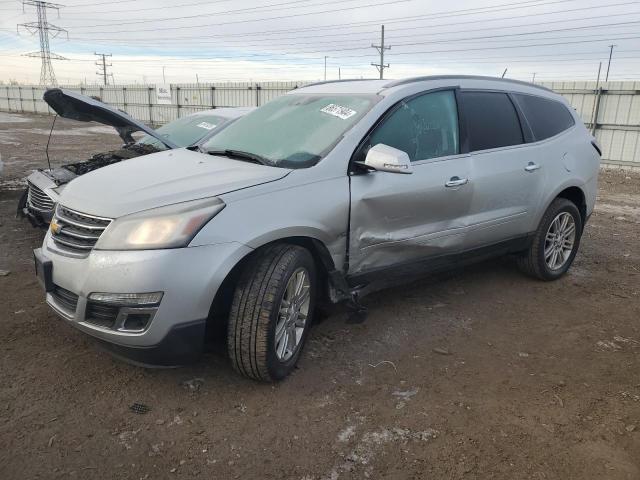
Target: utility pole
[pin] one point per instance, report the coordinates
(45, 30)
(609, 64)
(596, 103)
(102, 66)
(381, 48)
(325, 67)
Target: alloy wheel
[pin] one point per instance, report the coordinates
(559, 240)
(293, 314)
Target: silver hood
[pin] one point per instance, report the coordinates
(161, 179)
(74, 106)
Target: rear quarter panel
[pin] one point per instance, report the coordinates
(570, 161)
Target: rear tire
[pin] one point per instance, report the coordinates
(555, 243)
(265, 334)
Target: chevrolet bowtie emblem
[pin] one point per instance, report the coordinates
(55, 228)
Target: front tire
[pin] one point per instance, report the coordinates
(271, 312)
(22, 203)
(555, 243)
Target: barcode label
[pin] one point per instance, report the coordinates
(338, 111)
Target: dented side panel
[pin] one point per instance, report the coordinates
(399, 218)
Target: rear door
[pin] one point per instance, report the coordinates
(397, 218)
(507, 176)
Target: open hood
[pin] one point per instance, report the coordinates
(72, 105)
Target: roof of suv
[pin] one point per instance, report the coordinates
(379, 86)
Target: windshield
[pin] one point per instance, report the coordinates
(293, 131)
(185, 131)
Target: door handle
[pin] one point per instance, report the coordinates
(531, 167)
(456, 182)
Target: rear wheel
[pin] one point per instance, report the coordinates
(555, 243)
(271, 312)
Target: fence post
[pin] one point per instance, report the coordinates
(33, 97)
(8, 99)
(596, 111)
(178, 100)
(258, 88)
(213, 96)
(20, 95)
(124, 98)
(149, 90)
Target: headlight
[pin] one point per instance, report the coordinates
(166, 227)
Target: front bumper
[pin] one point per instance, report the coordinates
(182, 345)
(189, 278)
(38, 219)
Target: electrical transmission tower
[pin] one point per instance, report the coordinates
(381, 48)
(102, 67)
(45, 30)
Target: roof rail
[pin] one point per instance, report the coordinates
(405, 81)
(338, 81)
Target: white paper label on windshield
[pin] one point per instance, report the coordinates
(206, 125)
(338, 111)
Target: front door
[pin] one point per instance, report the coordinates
(397, 219)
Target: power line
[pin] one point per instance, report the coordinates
(223, 44)
(454, 13)
(155, 7)
(403, 19)
(188, 17)
(43, 27)
(186, 5)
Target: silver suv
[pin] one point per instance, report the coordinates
(314, 198)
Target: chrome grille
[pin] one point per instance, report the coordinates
(37, 199)
(77, 232)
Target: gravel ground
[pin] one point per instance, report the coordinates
(479, 373)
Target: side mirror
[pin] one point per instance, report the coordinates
(384, 158)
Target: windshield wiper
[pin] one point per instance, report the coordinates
(240, 155)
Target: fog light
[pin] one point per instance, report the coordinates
(128, 299)
(124, 312)
(132, 321)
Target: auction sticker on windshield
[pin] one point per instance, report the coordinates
(338, 111)
(206, 125)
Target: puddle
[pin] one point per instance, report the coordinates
(7, 139)
(13, 118)
(72, 132)
(13, 184)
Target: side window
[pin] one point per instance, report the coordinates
(546, 117)
(424, 127)
(492, 120)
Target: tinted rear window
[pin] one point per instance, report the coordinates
(491, 119)
(546, 117)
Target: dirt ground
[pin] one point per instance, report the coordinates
(480, 373)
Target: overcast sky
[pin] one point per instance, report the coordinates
(227, 40)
